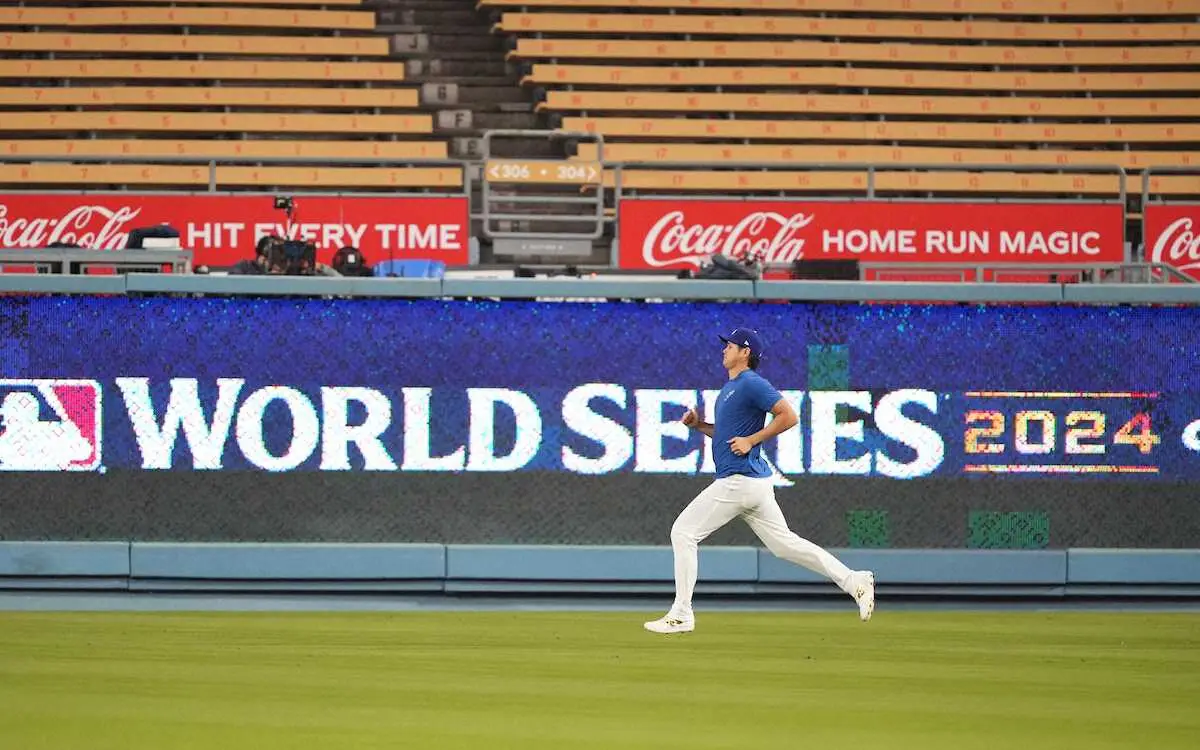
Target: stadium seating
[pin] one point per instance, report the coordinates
(195, 17)
(826, 182)
(138, 3)
(228, 176)
(1075, 8)
(248, 149)
(693, 152)
(795, 27)
(207, 44)
(688, 91)
(934, 106)
(230, 80)
(196, 96)
(858, 52)
(874, 78)
(200, 70)
(879, 130)
(684, 86)
(211, 122)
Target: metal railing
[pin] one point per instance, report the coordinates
(872, 170)
(592, 219)
(213, 164)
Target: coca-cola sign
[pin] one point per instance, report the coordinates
(1173, 236)
(678, 234)
(86, 225)
(766, 235)
(223, 229)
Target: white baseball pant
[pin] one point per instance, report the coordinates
(754, 500)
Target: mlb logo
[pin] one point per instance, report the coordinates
(49, 425)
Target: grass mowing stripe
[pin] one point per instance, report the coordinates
(596, 680)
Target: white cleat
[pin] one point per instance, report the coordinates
(864, 594)
(668, 624)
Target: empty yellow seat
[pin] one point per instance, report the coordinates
(623, 49)
(213, 70)
(1175, 185)
(885, 182)
(229, 176)
(687, 153)
(843, 130)
(862, 28)
(218, 2)
(213, 122)
(221, 96)
(980, 106)
(891, 7)
(233, 149)
(273, 18)
(285, 46)
(874, 78)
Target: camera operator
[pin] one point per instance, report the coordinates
(261, 264)
(276, 256)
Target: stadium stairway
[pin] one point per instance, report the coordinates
(467, 82)
(461, 67)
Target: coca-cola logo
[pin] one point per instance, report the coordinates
(766, 236)
(1178, 245)
(96, 227)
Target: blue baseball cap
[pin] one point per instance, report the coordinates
(745, 337)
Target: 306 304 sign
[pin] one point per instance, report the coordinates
(546, 172)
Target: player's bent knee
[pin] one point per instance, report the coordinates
(681, 535)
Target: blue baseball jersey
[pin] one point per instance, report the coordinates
(742, 409)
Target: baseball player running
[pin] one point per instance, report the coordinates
(743, 486)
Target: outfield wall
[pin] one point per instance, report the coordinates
(511, 569)
(1028, 446)
(922, 426)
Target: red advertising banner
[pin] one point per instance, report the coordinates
(679, 234)
(223, 229)
(1172, 236)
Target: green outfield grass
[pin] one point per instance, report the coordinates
(596, 680)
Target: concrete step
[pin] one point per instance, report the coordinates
(505, 120)
(471, 147)
(434, 18)
(423, 43)
(493, 94)
(446, 47)
(468, 40)
(469, 81)
(527, 148)
(434, 5)
(459, 71)
(456, 55)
